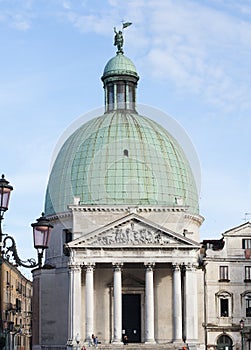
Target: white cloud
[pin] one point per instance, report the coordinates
(200, 47)
(20, 22)
(197, 48)
(89, 23)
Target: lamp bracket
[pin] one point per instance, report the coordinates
(11, 248)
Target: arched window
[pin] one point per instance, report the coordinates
(246, 303)
(224, 302)
(224, 342)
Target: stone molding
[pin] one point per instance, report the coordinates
(127, 209)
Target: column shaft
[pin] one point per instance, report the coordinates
(117, 290)
(177, 304)
(191, 304)
(75, 317)
(149, 305)
(89, 302)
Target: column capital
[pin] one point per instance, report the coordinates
(176, 267)
(149, 266)
(190, 266)
(74, 267)
(117, 266)
(89, 266)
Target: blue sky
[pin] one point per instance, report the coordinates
(193, 58)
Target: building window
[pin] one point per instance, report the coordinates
(7, 278)
(224, 301)
(110, 97)
(224, 307)
(223, 272)
(246, 244)
(248, 307)
(18, 305)
(121, 96)
(247, 274)
(67, 236)
(131, 96)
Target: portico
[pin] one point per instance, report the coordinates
(158, 265)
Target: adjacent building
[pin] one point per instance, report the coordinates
(227, 288)
(16, 301)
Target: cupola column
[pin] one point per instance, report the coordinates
(149, 304)
(117, 299)
(177, 304)
(115, 96)
(75, 317)
(191, 303)
(89, 301)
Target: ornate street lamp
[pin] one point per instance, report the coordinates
(5, 190)
(41, 232)
(41, 236)
(242, 324)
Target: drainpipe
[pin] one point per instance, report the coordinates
(205, 305)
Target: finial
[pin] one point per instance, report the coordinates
(118, 39)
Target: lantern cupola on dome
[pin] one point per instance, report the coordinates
(120, 79)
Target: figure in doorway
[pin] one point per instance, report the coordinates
(125, 340)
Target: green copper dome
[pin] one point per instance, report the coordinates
(121, 158)
(120, 65)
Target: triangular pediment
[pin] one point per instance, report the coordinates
(133, 231)
(241, 230)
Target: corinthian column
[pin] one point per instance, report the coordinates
(75, 317)
(89, 303)
(177, 304)
(149, 304)
(191, 304)
(117, 298)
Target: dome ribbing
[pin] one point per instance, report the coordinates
(121, 158)
(120, 65)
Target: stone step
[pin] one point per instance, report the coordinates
(137, 346)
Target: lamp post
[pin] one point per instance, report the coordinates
(41, 232)
(242, 324)
(5, 190)
(41, 235)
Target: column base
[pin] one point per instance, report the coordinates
(178, 341)
(116, 342)
(150, 342)
(193, 345)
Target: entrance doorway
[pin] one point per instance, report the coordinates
(131, 317)
(224, 343)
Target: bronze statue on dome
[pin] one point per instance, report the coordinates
(118, 38)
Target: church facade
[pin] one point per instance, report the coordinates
(123, 259)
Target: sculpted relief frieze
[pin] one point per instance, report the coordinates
(131, 235)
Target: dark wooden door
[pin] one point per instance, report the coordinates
(131, 317)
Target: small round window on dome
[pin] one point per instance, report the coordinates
(126, 152)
